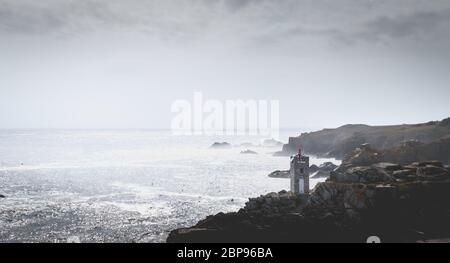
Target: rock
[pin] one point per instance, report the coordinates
(405, 174)
(2, 196)
(220, 145)
(248, 152)
(327, 167)
(432, 173)
(321, 174)
(361, 175)
(271, 143)
(420, 152)
(324, 170)
(432, 163)
(280, 174)
(390, 167)
(362, 156)
(313, 168)
(340, 177)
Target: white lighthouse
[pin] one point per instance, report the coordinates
(300, 174)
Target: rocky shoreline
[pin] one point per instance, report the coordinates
(362, 198)
(401, 144)
(393, 183)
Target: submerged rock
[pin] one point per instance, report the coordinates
(220, 145)
(248, 152)
(280, 174)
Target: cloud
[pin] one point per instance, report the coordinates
(414, 25)
(245, 23)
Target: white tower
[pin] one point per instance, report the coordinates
(300, 174)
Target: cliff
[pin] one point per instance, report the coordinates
(341, 141)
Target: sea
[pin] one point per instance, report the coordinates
(113, 186)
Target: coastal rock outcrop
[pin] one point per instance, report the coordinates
(324, 170)
(398, 203)
(339, 142)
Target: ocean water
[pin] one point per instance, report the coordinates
(124, 186)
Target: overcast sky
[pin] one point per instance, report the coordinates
(121, 63)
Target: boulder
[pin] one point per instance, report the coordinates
(220, 145)
(280, 174)
(327, 167)
(2, 196)
(324, 170)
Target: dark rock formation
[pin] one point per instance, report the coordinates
(415, 151)
(408, 152)
(364, 155)
(313, 168)
(362, 174)
(339, 142)
(280, 174)
(396, 203)
(220, 145)
(2, 196)
(248, 152)
(324, 170)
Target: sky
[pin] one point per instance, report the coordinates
(97, 64)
